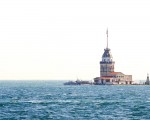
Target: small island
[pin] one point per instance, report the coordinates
(108, 76)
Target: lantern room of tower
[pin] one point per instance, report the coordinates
(107, 56)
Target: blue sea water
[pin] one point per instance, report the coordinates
(44, 100)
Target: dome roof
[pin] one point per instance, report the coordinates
(107, 53)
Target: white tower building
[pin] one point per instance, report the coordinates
(107, 74)
(107, 63)
(147, 80)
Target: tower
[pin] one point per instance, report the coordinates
(107, 63)
(147, 80)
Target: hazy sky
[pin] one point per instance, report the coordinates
(65, 39)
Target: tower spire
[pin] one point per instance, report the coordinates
(107, 37)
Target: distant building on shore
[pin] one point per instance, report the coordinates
(107, 74)
(147, 80)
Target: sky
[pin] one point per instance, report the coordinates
(65, 39)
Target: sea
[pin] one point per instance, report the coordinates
(51, 100)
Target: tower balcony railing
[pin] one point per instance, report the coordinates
(107, 62)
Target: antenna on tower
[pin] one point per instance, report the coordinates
(107, 37)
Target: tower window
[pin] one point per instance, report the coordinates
(107, 80)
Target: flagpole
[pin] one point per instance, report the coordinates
(107, 37)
